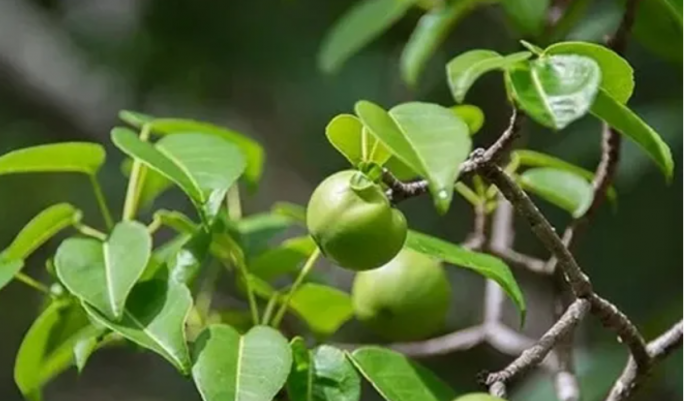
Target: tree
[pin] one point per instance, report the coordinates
(118, 286)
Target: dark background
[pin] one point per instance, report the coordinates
(67, 67)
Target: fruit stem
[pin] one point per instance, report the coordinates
(308, 266)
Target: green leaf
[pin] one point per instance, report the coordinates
(528, 16)
(161, 254)
(46, 349)
(428, 138)
(345, 133)
(148, 154)
(253, 153)
(185, 264)
(556, 90)
(154, 318)
(224, 247)
(284, 259)
(324, 374)
(626, 122)
(617, 76)
(85, 346)
(432, 29)
(323, 308)
(363, 23)
(397, 378)
(104, 273)
(176, 220)
(230, 367)
(465, 69)
(203, 166)
(75, 157)
(400, 170)
(41, 228)
(486, 265)
(8, 269)
(536, 50)
(213, 163)
(658, 27)
(260, 287)
(291, 210)
(530, 158)
(564, 189)
(471, 115)
(135, 119)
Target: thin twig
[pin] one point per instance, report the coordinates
(564, 378)
(631, 379)
(399, 191)
(528, 262)
(456, 341)
(502, 236)
(619, 40)
(478, 237)
(534, 355)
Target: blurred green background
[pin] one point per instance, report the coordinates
(68, 66)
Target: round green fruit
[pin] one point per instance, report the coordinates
(354, 225)
(406, 299)
(478, 397)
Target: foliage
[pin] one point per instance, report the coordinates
(119, 284)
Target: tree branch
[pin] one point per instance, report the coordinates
(534, 355)
(456, 341)
(631, 379)
(565, 381)
(540, 227)
(613, 318)
(609, 314)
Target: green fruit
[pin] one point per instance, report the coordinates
(478, 397)
(354, 225)
(406, 299)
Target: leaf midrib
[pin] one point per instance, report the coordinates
(412, 146)
(185, 171)
(542, 93)
(238, 366)
(151, 335)
(109, 279)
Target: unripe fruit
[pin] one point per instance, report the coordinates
(478, 397)
(355, 226)
(406, 299)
